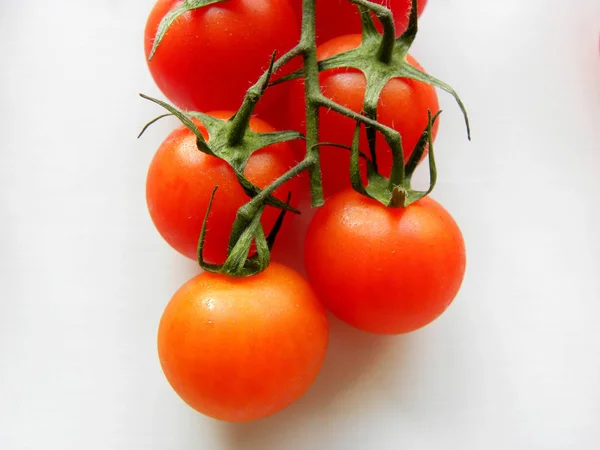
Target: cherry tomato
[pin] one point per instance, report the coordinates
(210, 56)
(384, 270)
(239, 349)
(403, 106)
(339, 17)
(181, 179)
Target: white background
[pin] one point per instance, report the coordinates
(84, 277)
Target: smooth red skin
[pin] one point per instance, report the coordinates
(181, 179)
(212, 55)
(338, 17)
(384, 270)
(240, 349)
(403, 106)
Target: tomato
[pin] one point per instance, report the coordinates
(210, 56)
(240, 349)
(384, 270)
(181, 179)
(339, 17)
(403, 106)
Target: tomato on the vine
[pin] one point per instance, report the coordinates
(210, 56)
(240, 349)
(339, 17)
(384, 270)
(181, 179)
(403, 106)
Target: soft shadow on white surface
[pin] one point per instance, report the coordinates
(353, 358)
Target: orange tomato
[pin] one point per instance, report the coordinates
(384, 270)
(239, 349)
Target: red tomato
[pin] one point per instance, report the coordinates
(181, 179)
(384, 270)
(239, 349)
(403, 106)
(339, 17)
(210, 56)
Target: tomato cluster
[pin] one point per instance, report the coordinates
(342, 107)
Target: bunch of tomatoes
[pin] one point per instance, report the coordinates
(281, 101)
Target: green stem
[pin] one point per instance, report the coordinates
(303, 165)
(330, 104)
(241, 120)
(312, 91)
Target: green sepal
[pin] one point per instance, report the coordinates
(408, 71)
(152, 122)
(368, 26)
(420, 147)
(236, 156)
(411, 194)
(278, 223)
(378, 74)
(371, 58)
(376, 187)
(185, 120)
(355, 178)
(252, 191)
(172, 16)
(261, 259)
(385, 17)
(200, 253)
(396, 191)
(406, 39)
(238, 262)
(235, 265)
(240, 121)
(403, 194)
(219, 130)
(375, 85)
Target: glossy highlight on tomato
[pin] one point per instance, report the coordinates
(384, 270)
(240, 349)
(181, 179)
(210, 56)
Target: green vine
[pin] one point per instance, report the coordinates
(380, 57)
